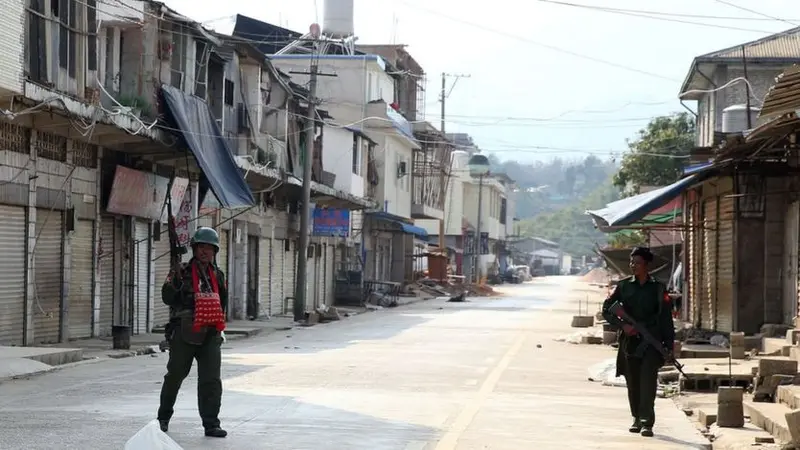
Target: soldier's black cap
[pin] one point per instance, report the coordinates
(644, 252)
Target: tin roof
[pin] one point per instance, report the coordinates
(784, 96)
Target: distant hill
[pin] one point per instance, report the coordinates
(554, 196)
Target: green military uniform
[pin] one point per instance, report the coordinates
(186, 345)
(638, 362)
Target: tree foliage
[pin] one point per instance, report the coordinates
(569, 226)
(643, 165)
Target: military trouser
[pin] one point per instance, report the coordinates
(209, 384)
(641, 378)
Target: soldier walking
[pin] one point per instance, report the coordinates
(645, 300)
(197, 295)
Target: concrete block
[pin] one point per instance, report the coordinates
(794, 353)
(737, 339)
(738, 353)
(730, 415)
(753, 342)
(776, 366)
(791, 336)
(592, 340)
(793, 424)
(582, 321)
(706, 418)
(609, 337)
(727, 394)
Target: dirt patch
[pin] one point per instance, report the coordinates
(597, 275)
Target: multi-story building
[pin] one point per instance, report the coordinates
(111, 111)
(359, 91)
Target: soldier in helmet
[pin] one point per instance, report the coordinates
(197, 294)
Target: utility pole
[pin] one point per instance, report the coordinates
(299, 305)
(444, 94)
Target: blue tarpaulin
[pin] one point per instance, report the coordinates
(396, 220)
(192, 116)
(632, 209)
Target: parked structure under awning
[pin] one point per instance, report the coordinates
(630, 210)
(192, 116)
(401, 225)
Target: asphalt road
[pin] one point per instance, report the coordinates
(485, 374)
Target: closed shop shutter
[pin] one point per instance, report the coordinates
(48, 263)
(264, 284)
(310, 281)
(330, 270)
(107, 255)
(692, 295)
(161, 267)
(81, 281)
(276, 277)
(141, 303)
(724, 305)
(12, 275)
(289, 268)
(707, 313)
(222, 256)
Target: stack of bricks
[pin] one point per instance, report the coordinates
(737, 345)
(730, 409)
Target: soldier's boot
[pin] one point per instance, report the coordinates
(216, 432)
(647, 431)
(164, 424)
(636, 427)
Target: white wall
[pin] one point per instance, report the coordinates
(358, 80)
(12, 45)
(337, 158)
(490, 194)
(394, 192)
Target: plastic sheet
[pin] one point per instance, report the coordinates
(604, 372)
(151, 438)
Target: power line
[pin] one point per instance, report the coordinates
(742, 8)
(652, 15)
(540, 44)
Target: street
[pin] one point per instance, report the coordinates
(485, 374)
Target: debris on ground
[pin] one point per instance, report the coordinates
(328, 313)
(597, 275)
(458, 298)
(605, 372)
(581, 336)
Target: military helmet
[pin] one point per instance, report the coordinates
(206, 235)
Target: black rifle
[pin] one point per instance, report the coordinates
(619, 311)
(176, 252)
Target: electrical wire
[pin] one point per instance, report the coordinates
(651, 15)
(742, 8)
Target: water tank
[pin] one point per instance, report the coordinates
(734, 118)
(337, 21)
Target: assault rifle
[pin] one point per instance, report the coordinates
(648, 339)
(176, 252)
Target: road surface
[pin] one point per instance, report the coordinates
(484, 374)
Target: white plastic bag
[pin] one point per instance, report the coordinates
(151, 438)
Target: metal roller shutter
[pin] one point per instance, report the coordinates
(141, 303)
(12, 275)
(106, 259)
(330, 271)
(222, 256)
(276, 277)
(708, 310)
(693, 294)
(725, 263)
(81, 280)
(264, 286)
(161, 268)
(311, 282)
(289, 269)
(48, 273)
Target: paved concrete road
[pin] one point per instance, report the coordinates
(433, 375)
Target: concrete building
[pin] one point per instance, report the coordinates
(87, 169)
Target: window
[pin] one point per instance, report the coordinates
(91, 19)
(229, 87)
(356, 155)
(503, 210)
(200, 69)
(35, 48)
(66, 13)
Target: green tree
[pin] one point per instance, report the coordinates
(657, 156)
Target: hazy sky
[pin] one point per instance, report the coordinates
(538, 86)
